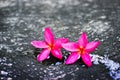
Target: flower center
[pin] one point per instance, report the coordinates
(81, 50)
(51, 46)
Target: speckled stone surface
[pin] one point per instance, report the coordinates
(22, 21)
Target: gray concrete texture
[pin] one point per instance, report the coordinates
(22, 21)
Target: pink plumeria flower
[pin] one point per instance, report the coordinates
(80, 49)
(50, 45)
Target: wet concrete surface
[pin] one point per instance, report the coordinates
(22, 21)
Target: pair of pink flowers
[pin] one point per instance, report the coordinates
(78, 49)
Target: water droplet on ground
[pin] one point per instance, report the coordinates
(4, 73)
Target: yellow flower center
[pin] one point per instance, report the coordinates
(81, 50)
(51, 46)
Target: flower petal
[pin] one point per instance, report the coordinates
(57, 54)
(86, 59)
(48, 35)
(92, 45)
(39, 44)
(43, 55)
(74, 56)
(59, 41)
(70, 46)
(83, 40)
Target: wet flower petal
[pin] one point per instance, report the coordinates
(39, 44)
(83, 40)
(74, 56)
(70, 46)
(86, 59)
(60, 41)
(92, 45)
(43, 55)
(57, 54)
(48, 35)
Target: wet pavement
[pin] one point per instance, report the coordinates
(22, 21)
